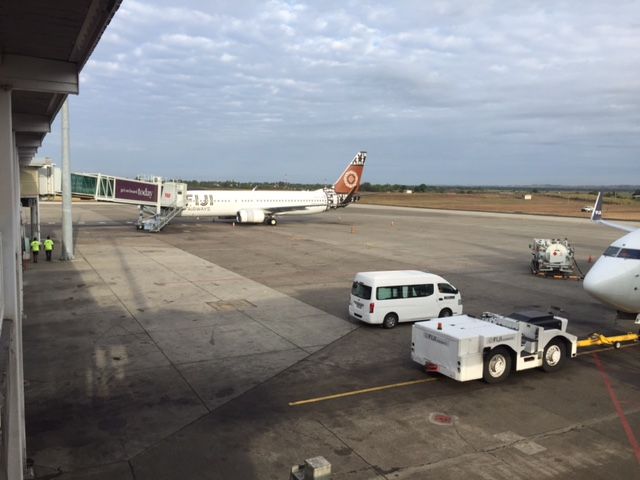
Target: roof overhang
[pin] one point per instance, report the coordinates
(43, 48)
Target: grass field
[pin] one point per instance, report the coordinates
(562, 204)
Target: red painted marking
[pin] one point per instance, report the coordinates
(443, 419)
(616, 403)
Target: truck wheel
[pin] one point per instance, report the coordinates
(390, 321)
(497, 365)
(445, 312)
(554, 355)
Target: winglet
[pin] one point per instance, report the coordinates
(349, 182)
(596, 214)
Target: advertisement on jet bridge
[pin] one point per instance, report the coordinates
(136, 192)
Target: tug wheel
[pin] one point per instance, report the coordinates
(497, 365)
(554, 355)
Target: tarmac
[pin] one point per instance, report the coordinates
(176, 355)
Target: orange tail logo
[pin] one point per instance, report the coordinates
(349, 181)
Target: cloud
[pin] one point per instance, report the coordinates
(475, 82)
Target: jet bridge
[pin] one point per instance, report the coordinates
(158, 202)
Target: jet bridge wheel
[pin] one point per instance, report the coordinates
(554, 355)
(497, 365)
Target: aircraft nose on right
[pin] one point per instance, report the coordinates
(597, 281)
(601, 281)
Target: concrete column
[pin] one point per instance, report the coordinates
(67, 218)
(34, 208)
(14, 450)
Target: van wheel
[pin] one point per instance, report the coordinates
(390, 321)
(497, 365)
(445, 312)
(554, 355)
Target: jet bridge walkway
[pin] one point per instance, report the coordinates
(158, 202)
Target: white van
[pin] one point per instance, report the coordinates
(402, 296)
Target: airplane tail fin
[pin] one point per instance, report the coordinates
(596, 214)
(349, 182)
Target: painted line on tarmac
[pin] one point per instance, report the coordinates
(360, 392)
(616, 404)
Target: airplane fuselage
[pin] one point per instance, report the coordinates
(227, 203)
(615, 278)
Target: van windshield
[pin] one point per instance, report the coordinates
(446, 288)
(361, 290)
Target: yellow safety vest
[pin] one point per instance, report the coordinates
(35, 246)
(48, 244)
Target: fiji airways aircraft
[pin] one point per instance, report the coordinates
(615, 278)
(263, 206)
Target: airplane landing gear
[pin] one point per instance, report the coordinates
(271, 221)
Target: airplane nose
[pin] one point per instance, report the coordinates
(606, 281)
(593, 284)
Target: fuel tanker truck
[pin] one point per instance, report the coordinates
(552, 256)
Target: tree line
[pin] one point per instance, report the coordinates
(400, 188)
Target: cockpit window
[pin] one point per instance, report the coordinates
(629, 253)
(632, 253)
(611, 251)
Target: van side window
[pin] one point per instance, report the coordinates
(404, 291)
(389, 293)
(420, 290)
(446, 288)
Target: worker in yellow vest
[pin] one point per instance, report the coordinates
(35, 249)
(48, 248)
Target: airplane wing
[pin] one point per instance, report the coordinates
(276, 210)
(596, 216)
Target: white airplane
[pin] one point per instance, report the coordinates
(263, 206)
(615, 278)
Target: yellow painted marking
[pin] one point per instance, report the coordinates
(360, 392)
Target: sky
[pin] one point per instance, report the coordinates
(437, 92)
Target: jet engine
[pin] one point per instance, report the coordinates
(250, 216)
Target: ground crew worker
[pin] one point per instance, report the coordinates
(35, 249)
(48, 248)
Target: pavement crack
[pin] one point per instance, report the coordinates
(376, 468)
(559, 431)
(131, 469)
(463, 438)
